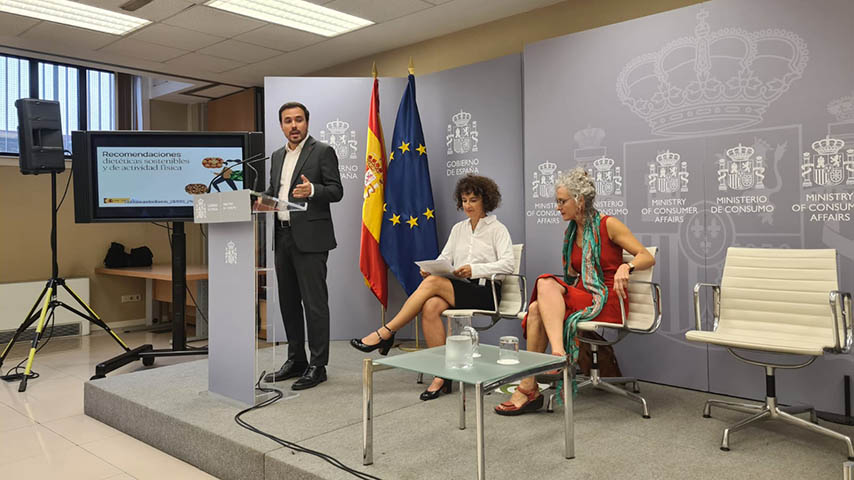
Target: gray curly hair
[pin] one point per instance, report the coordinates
(578, 184)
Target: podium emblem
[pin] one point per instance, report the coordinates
(231, 253)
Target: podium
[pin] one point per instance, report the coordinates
(234, 271)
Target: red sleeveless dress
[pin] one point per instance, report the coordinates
(577, 297)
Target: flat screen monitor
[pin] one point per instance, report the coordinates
(136, 176)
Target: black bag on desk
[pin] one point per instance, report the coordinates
(116, 256)
(141, 257)
(138, 257)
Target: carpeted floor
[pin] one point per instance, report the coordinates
(166, 408)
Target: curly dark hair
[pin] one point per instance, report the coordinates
(483, 187)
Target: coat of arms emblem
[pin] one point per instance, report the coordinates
(829, 166)
(669, 176)
(462, 137)
(741, 171)
(607, 177)
(231, 253)
(341, 138)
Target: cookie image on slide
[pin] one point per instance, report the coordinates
(196, 188)
(212, 162)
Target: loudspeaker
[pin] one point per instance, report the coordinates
(40, 136)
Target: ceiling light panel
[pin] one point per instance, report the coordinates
(297, 14)
(75, 14)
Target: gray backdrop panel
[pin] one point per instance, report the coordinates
(784, 77)
(472, 119)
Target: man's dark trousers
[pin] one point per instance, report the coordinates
(302, 281)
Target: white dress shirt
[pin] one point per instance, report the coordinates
(488, 249)
(290, 162)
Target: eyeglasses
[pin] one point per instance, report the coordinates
(561, 201)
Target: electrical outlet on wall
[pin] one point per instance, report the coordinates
(131, 298)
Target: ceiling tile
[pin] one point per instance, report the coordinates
(144, 50)
(175, 37)
(156, 10)
(378, 10)
(11, 25)
(69, 36)
(215, 22)
(218, 91)
(204, 62)
(242, 52)
(280, 38)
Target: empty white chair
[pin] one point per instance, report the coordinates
(777, 300)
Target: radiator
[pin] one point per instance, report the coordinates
(18, 298)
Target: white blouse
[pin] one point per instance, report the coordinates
(488, 249)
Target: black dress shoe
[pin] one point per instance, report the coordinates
(290, 369)
(384, 345)
(311, 378)
(446, 387)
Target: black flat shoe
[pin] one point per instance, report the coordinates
(447, 386)
(313, 376)
(384, 345)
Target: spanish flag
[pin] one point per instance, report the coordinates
(371, 261)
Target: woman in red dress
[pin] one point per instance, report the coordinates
(594, 281)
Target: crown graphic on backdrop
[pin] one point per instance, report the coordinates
(667, 158)
(603, 164)
(338, 126)
(461, 119)
(713, 81)
(842, 108)
(589, 137)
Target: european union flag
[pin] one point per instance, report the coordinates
(409, 223)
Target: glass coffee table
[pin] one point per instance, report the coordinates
(486, 374)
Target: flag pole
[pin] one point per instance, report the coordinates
(411, 67)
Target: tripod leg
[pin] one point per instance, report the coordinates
(39, 328)
(93, 317)
(24, 326)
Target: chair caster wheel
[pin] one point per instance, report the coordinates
(148, 361)
(646, 416)
(725, 449)
(706, 416)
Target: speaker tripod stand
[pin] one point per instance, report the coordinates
(49, 303)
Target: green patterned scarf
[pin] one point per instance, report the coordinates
(591, 277)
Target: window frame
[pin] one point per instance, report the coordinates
(82, 89)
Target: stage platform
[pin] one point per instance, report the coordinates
(168, 408)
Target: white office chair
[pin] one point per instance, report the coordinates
(644, 317)
(783, 301)
(513, 296)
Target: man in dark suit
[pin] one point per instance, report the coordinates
(304, 170)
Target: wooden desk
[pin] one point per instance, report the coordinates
(158, 285)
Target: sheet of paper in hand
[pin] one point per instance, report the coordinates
(437, 267)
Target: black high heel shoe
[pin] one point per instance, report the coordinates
(447, 386)
(384, 345)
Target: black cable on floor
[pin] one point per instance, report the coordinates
(293, 446)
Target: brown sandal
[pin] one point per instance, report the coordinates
(534, 403)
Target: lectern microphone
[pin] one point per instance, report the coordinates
(247, 161)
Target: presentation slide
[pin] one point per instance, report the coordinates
(163, 176)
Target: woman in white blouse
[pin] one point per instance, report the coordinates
(478, 247)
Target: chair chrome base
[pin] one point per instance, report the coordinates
(608, 384)
(770, 411)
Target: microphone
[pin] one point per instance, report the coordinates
(248, 162)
